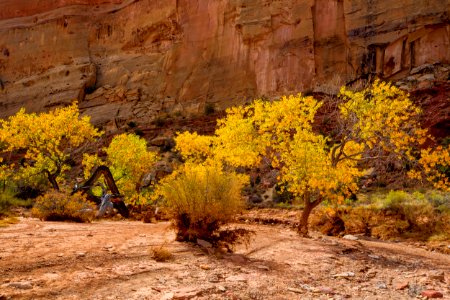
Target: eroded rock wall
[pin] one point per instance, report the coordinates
(135, 59)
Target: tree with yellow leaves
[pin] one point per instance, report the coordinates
(47, 141)
(372, 125)
(129, 161)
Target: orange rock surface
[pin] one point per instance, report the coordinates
(135, 59)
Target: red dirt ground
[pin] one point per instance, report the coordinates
(113, 260)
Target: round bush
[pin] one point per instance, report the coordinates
(200, 198)
(58, 206)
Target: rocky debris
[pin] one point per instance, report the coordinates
(113, 94)
(205, 267)
(381, 286)
(401, 285)
(294, 290)
(421, 69)
(344, 275)
(350, 237)
(262, 267)
(237, 278)
(371, 274)
(221, 288)
(295, 263)
(21, 285)
(326, 290)
(426, 77)
(432, 294)
(437, 276)
(204, 243)
(81, 254)
(187, 293)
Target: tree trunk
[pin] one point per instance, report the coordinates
(309, 206)
(52, 179)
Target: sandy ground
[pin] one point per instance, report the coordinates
(113, 260)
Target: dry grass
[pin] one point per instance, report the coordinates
(161, 254)
(8, 221)
(58, 206)
(200, 199)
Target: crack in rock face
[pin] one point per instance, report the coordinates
(125, 59)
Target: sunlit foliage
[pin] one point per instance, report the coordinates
(435, 165)
(372, 125)
(201, 197)
(47, 141)
(58, 206)
(129, 161)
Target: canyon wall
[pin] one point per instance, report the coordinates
(136, 59)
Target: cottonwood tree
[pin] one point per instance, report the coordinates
(47, 141)
(372, 125)
(129, 161)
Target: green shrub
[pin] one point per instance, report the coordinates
(395, 199)
(8, 201)
(396, 214)
(8, 221)
(201, 198)
(58, 206)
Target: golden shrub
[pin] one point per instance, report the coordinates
(58, 206)
(200, 198)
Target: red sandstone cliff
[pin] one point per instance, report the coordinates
(125, 59)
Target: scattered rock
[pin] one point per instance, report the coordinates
(427, 77)
(204, 243)
(401, 285)
(374, 256)
(326, 290)
(371, 274)
(350, 237)
(432, 294)
(186, 293)
(437, 275)
(81, 254)
(294, 290)
(381, 286)
(344, 275)
(205, 267)
(221, 288)
(424, 84)
(426, 67)
(237, 259)
(167, 296)
(21, 285)
(237, 278)
(158, 141)
(213, 278)
(262, 267)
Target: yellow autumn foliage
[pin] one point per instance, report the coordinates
(48, 140)
(200, 197)
(129, 161)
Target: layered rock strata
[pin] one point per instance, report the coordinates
(135, 59)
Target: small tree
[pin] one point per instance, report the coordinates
(129, 161)
(47, 141)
